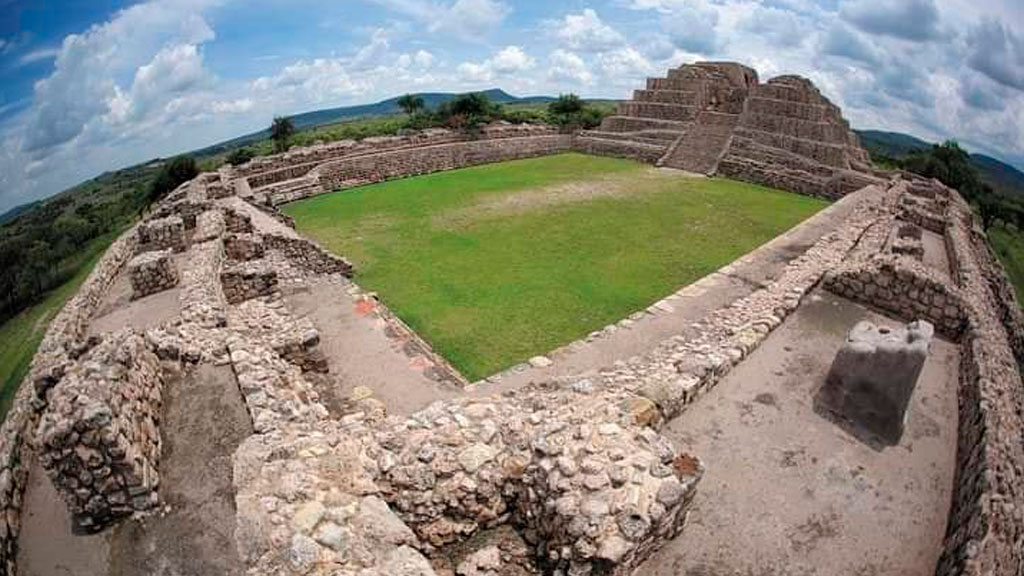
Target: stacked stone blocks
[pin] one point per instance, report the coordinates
(152, 272)
(247, 280)
(161, 234)
(99, 438)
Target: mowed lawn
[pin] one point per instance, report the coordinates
(499, 263)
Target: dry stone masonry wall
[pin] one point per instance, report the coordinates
(152, 272)
(576, 466)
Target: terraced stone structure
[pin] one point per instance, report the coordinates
(579, 473)
(717, 118)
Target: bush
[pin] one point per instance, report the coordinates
(572, 113)
(468, 111)
(241, 156)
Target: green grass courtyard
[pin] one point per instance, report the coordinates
(498, 263)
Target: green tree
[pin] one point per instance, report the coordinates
(173, 174)
(241, 156)
(468, 111)
(572, 113)
(566, 105)
(411, 104)
(281, 131)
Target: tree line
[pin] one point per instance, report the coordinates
(951, 165)
(40, 248)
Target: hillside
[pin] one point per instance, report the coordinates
(1004, 178)
(387, 107)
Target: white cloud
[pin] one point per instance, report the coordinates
(38, 55)
(566, 66)
(586, 32)
(470, 19)
(509, 61)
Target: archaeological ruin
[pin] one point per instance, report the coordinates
(194, 409)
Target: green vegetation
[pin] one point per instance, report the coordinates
(571, 112)
(41, 248)
(1008, 242)
(497, 263)
(173, 174)
(22, 334)
(281, 131)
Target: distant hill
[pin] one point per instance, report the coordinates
(14, 212)
(382, 108)
(1003, 178)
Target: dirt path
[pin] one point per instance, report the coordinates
(787, 492)
(360, 351)
(686, 306)
(204, 422)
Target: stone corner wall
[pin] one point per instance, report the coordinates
(99, 439)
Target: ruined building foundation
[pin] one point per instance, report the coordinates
(579, 474)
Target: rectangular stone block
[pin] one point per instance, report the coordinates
(152, 272)
(161, 234)
(244, 246)
(873, 378)
(248, 280)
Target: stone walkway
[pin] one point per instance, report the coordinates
(787, 492)
(646, 329)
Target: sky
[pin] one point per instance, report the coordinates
(88, 86)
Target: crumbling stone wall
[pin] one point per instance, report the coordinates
(152, 272)
(985, 530)
(362, 170)
(905, 287)
(308, 255)
(99, 439)
(162, 233)
(594, 490)
(247, 280)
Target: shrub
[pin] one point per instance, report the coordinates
(468, 111)
(411, 104)
(241, 156)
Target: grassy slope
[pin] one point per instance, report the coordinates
(1009, 246)
(21, 335)
(489, 292)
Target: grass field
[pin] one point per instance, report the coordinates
(1009, 246)
(498, 263)
(21, 335)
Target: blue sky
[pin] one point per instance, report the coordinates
(93, 85)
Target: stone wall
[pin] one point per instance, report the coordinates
(63, 338)
(902, 286)
(985, 530)
(162, 233)
(307, 255)
(99, 439)
(399, 164)
(247, 280)
(152, 272)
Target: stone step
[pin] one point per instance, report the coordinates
(751, 150)
(821, 131)
(703, 144)
(641, 137)
(657, 110)
(635, 124)
(803, 110)
(769, 175)
(620, 147)
(778, 91)
(821, 152)
(685, 97)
